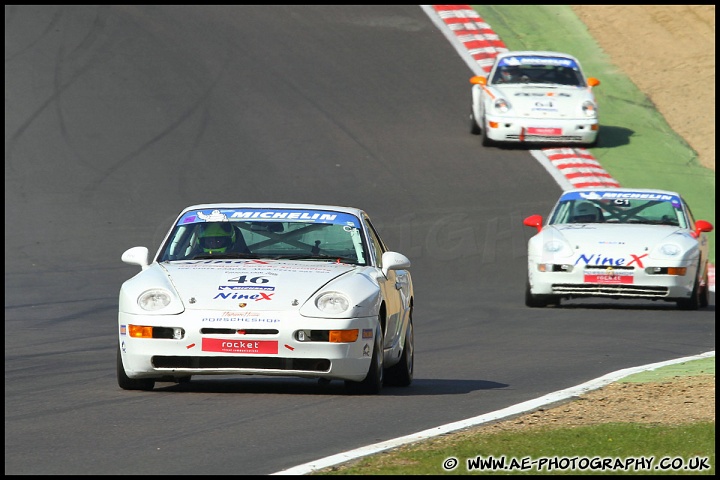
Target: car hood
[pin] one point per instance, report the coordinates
(597, 243)
(261, 285)
(545, 100)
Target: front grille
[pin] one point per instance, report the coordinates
(255, 363)
(547, 138)
(603, 290)
(239, 331)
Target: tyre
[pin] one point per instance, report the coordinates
(486, 140)
(401, 374)
(692, 303)
(539, 301)
(373, 382)
(127, 383)
(705, 290)
(594, 143)
(474, 127)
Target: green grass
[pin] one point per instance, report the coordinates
(609, 442)
(620, 443)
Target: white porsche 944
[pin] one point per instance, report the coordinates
(534, 96)
(618, 243)
(268, 289)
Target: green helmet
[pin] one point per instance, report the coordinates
(216, 237)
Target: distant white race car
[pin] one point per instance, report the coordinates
(268, 289)
(534, 96)
(619, 243)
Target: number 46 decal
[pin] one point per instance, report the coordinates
(253, 280)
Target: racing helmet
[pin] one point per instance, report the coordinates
(585, 212)
(216, 237)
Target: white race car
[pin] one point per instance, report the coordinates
(619, 243)
(534, 96)
(268, 289)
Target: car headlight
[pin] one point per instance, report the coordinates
(332, 302)
(554, 246)
(154, 299)
(589, 109)
(670, 249)
(501, 105)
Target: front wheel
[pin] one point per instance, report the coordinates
(474, 127)
(127, 383)
(373, 382)
(705, 290)
(692, 303)
(539, 301)
(401, 374)
(486, 140)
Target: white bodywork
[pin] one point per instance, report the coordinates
(258, 315)
(621, 254)
(540, 110)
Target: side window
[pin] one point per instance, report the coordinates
(376, 244)
(691, 218)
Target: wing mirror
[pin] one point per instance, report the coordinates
(534, 221)
(394, 261)
(136, 256)
(702, 226)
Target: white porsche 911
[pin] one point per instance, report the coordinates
(268, 289)
(534, 96)
(619, 243)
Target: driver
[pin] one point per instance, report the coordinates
(216, 237)
(586, 212)
(506, 76)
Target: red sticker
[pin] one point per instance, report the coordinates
(609, 279)
(554, 132)
(239, 346)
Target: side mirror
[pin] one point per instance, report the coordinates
(394, 261)
(593, 82)
(136, 256)
(702, 226)
(478, 80)
(534, 221)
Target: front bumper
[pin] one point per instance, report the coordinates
(540, 130)
(278, 344)
(629, 282)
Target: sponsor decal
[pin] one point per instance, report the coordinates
(123, 329)
(214, 216)
(240, 319)
(596, 259)
(531, 60)
(289, 347)
(239, 346)
(608, 276)
(296, 215)
(367, 333)
(366, 350)
(190, 346)
(240, 296)
(549, 132)
(243, 287)
(627, 195)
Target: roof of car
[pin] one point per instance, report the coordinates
(275, 206)
(537, 53)
(622, 189)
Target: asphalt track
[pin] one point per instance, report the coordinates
(117, 117)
